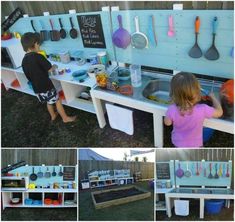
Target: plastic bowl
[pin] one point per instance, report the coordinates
(28, 201)
(94, 69)
(213, 206)
(79, 75)
(207, 134)
(124, 74)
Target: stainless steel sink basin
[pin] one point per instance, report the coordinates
(158, 91)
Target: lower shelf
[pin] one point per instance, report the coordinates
(160, 206)
(82, 104)
(40, 206)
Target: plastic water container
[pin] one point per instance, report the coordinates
(135, 71)
(207, 134)
(214, 206)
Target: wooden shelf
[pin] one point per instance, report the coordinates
(82, 104)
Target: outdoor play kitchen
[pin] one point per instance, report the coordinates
(39, 186)
(105, 58)
(182, 181)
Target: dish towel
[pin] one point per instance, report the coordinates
(181, 207)
(120, 118)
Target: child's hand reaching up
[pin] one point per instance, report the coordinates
(216, 104)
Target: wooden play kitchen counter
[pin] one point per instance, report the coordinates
(201, 180)
(201, 194)
(139, 101)
(40, 186)
(174, 36)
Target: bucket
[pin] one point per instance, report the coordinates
(207, 134)
(214, 206)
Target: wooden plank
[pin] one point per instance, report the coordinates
(119, 201)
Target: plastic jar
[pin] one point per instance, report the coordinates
(102, 58)
(64, 57)
(135, 71)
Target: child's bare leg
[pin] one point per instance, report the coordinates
(52, 112)
(63, 114)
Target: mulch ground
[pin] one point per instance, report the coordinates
(116, 194)
(26, 123)
(39, 214)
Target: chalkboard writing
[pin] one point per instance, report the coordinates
(163, 171)
(69, 174)
(91, 31)
(12, 18)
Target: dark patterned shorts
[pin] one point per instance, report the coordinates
(50, 97)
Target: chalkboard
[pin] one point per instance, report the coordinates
(69, 174)
(91, 31)
(163, 171)
(12, 18)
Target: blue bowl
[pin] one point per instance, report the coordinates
(214, 206)
(37, 202)
(207, 134)
(28, 201)
(79, 75)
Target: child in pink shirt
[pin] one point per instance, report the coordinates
(186, 115)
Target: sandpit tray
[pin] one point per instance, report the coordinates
(107, 198)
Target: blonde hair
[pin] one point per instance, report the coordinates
(185, 91)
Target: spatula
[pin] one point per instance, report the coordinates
(195, 51)
(227, 174)
(170, 32)
(212, 53)
(210, 175)
(216, 176)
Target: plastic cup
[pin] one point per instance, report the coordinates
(135, 71)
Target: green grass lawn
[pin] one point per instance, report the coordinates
(226, 214)
(141, 210)
(26, 123)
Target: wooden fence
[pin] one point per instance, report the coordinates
(39, 156)
(35, 8)
(146, 168)
(194, 154)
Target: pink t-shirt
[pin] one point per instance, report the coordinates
(187, 129)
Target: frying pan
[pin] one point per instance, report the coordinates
(44, 34)
(31, 21)
(212, 53)
(138, 39)
(54, 173)
(55, 34)
(62, 31)
(195, 51)
(47, 174)
(33, 176)
(73, 32)
(179, 172)
(121, 37)
(60, 173)
(188, 173)
(40, 173)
